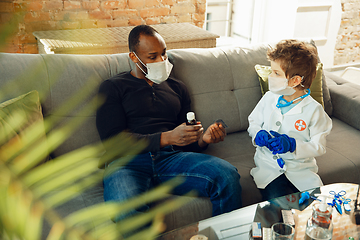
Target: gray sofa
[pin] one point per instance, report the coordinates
(223, 84)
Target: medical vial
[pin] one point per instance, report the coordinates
(190, 118)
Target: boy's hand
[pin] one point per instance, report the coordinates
(281, 143)
(262, 138)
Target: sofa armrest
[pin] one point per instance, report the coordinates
(345, 98)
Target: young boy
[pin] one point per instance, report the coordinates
(288, 127)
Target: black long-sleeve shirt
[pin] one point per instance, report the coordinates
(145, 111)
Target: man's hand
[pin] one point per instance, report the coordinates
(182, 135)
(214, 134)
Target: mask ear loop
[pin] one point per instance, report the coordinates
(141, 63)
(302, 78)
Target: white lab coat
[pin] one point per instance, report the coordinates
(308, 123)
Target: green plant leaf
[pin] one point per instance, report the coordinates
(29, 192)
(116, 208)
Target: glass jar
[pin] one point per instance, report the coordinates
(320, 225)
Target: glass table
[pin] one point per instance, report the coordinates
(237, 224)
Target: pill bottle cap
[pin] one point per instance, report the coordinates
(190, 116)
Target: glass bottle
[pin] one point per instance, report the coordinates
(190, 118)
(320, 225)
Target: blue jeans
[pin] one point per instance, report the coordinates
(210, 176)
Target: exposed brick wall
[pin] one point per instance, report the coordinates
(347, 49)
(40, 15)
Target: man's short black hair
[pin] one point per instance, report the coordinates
(135, 33)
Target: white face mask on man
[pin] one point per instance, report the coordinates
(280, 86)
(157, 72)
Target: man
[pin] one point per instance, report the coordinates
(148, 104)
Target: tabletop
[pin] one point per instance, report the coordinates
(237, 224)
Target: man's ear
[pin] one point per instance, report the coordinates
(133, 57)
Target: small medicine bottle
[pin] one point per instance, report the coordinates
(190, 118)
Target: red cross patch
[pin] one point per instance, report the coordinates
(300, 125)
(291, 198)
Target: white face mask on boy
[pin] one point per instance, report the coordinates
(280, 86)
(157, 72)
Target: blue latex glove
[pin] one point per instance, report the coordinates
(262, 138)
(281, 143)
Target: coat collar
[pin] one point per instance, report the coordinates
(295, 110)
(299, 107)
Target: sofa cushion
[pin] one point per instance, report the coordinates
(316, 86)
(328, 107)
(16, 117)
(341, 162)
(246, 90)
(212, 89)
(226, 84)
(71, 76)
(22, 73)
(345, 96)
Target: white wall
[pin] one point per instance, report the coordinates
(274, 20)
(242, 20)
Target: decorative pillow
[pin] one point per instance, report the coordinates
(316, 86)
(26, 109)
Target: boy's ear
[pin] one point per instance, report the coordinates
(297, 80)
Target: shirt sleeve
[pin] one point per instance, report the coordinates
(111, 118)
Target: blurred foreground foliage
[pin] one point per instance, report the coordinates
(30, 191)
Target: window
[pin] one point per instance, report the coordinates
(219, 17)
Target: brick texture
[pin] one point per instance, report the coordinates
(42, 15)
(72, 5)
(7, 7)
(347, 49)
(154, 12)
